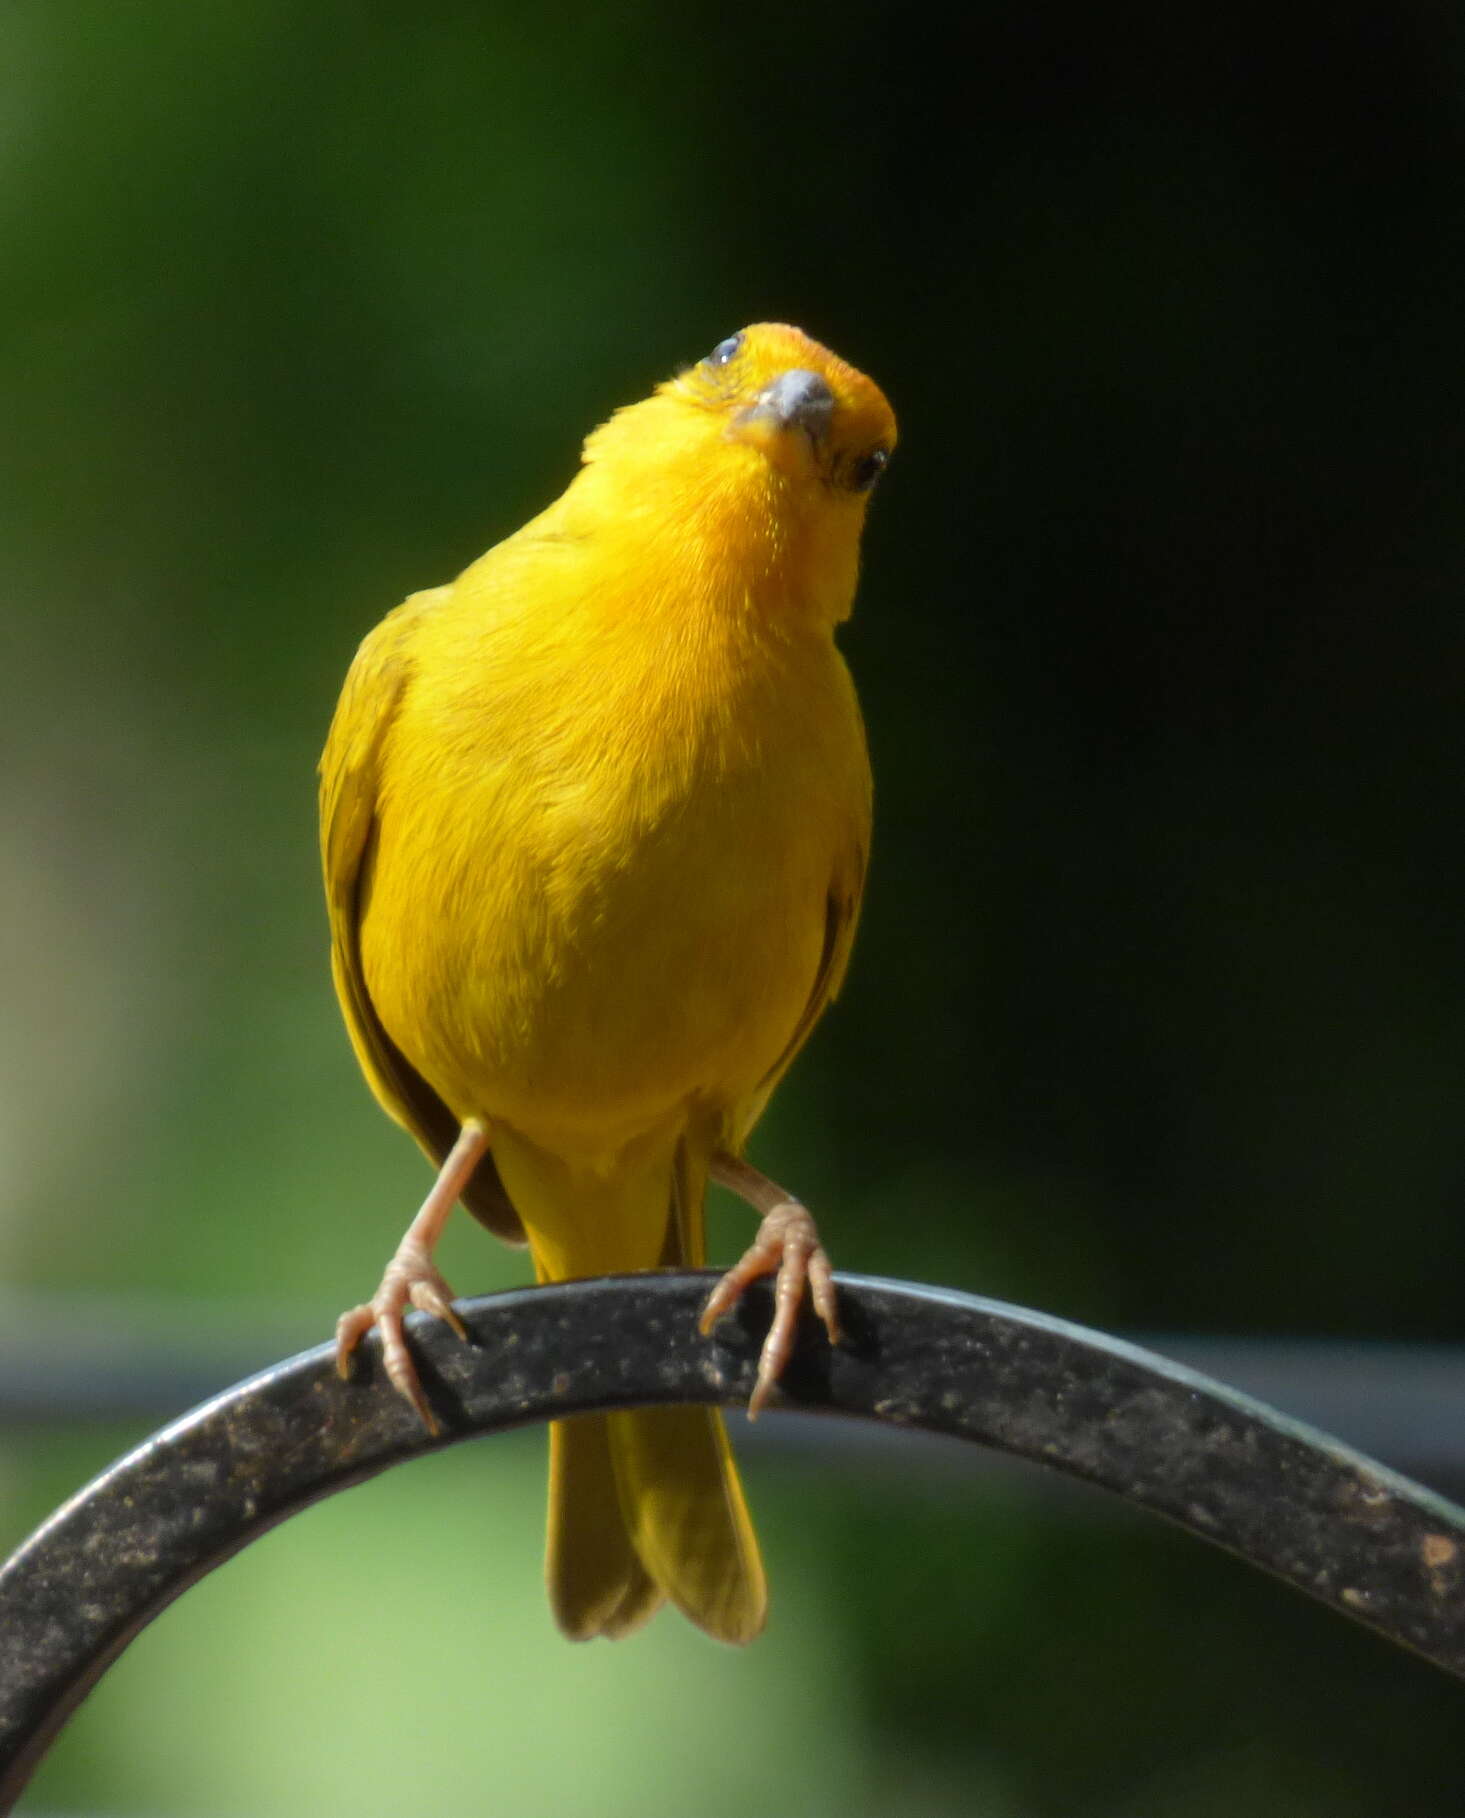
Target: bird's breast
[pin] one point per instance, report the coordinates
(603, 891)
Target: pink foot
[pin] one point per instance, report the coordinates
(788, 1244)
(410, 1280)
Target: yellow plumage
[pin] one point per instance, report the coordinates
(594, 822)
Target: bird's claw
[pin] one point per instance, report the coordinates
(410, 1280)
(787, 1245)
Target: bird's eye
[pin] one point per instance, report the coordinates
(724, 350)
(868, 469)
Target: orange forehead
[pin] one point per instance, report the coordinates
(766, 349)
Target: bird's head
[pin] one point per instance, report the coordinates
(811, 416)
(763, 455)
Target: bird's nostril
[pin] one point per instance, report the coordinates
(799, 398)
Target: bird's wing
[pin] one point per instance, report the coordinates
(841, 917)
(350, 770)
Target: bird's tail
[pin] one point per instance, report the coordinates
(644, 1505)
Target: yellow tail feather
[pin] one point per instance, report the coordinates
(597, 1584)
(643, 1505)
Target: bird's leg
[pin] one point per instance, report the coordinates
(412, 1279)
(787, 1245)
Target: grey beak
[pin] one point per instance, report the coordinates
(798, 399)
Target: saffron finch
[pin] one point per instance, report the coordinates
(594, 820)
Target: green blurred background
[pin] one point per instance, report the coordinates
(1155, 1020)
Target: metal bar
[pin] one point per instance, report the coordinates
(88, 1359)
(1333, 1523)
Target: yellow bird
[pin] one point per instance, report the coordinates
(594, 820)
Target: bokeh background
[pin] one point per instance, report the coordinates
(1155, 1020)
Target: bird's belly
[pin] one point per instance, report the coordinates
(582, 986)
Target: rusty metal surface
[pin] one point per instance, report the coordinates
(1370, 1543)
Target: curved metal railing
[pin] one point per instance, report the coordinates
(1293, 1502)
